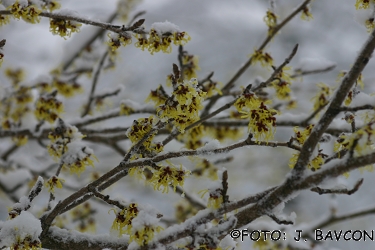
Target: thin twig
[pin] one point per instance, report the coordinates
(338, 191)
(242, 70)
(94, 82)
(334, 107)
(299, 72)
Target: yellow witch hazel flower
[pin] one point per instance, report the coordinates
(192, 138)
(54, 182)
(282, 89)
(50, 5)
(169, 175)
(321, 98)
(206, 168)
(302, 135)
(67, 89)
(144, 228)
(215, 199)
(314, 164)
(139, 129)
(212, 88)
(359, 81)
(21, 232)
(161, 36)
(271, 21)
(362, 4)
(4, 19)
(48, 108)
(25, 10)
(62, 135)
(317, 161)
(370, 24)
(262, 122)
(123, 221)
(190, 66)
(263, 58)
(225, 133)
(62, 27)
(184, 105)
(116, 40)
(78, 157)
(140, 223)
(20, 140)
(158, 96)
(306, 14)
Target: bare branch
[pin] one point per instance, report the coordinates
(338, 191)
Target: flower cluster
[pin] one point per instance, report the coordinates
(184, 210)
(158, 96)
(363, 4)
(64, 28)
(361, 143)
(205, 168)
(317, 161)
(85, 215)
(144, 228)
(20, 140)
(302, 135)
(282, 83)
(359, 80)
(21, 232)
(263, 58)
(225, 133)
(190, 66)
(370, 24)
(75, 157)
(282, 89)
(25, 10)
(53, 182)
(116, 40)
(3, 21)
(193, 137)
(139, 129)
(78, 157)
(15, 75)
(314, 164)
(262, 119)
(15, 106)
(67, 89)
(342, 142)
(271, 21)
(125, 109)
(351, 94)
(48, 108)
(306, 14)
(321, 99)
(215, 198)
(51, 5)
(160, 38)
(184, 105)
(140, 225)
(170, 175)
(123, 221)
(212, 88)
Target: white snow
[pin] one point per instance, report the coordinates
(211, 145)
(362, 99)
(17, 229)
(165, 27)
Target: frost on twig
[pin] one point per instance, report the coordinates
(25, 202)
